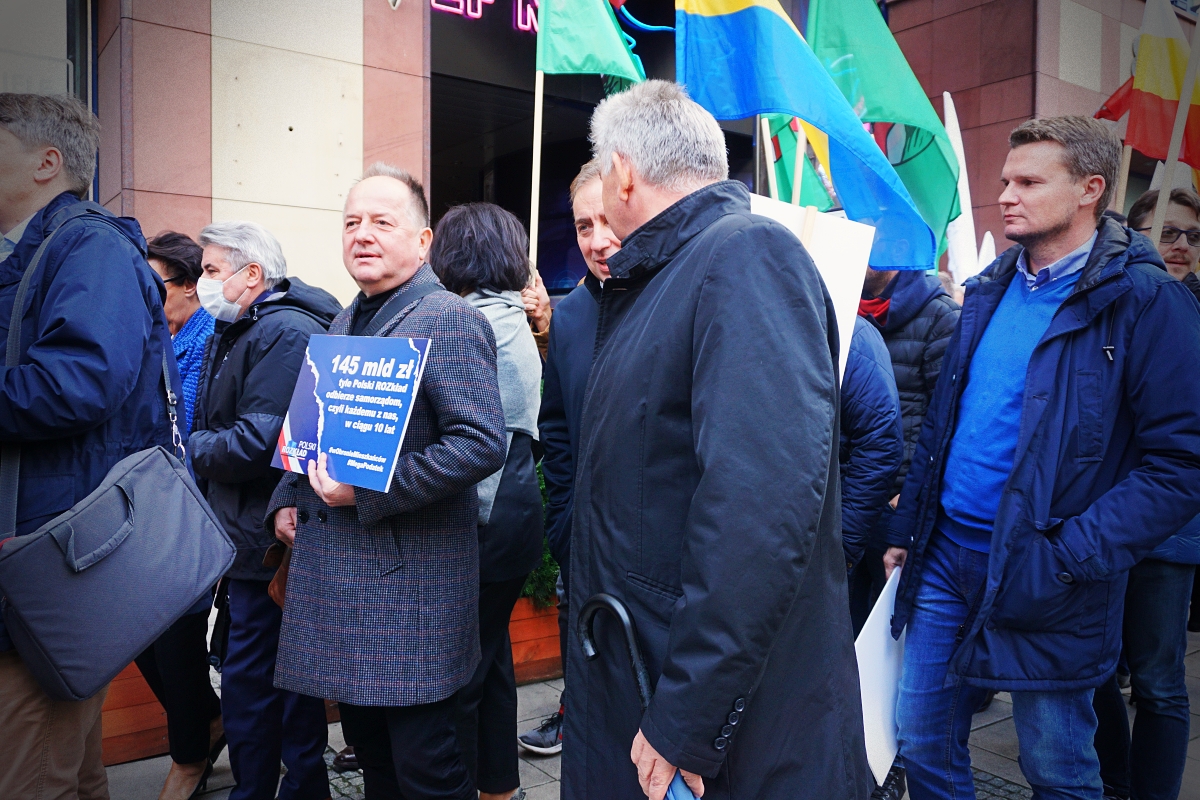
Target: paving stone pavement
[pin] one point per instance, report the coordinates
(993, 752)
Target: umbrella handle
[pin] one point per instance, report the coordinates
(587, 617)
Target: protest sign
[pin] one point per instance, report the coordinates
(880, 662)
(352, 402)
(839, 247)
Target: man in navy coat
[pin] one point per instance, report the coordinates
(87, 392)
(706, 488)
(1061, 447)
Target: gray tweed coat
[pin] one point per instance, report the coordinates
(382, 597)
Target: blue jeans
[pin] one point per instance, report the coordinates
(265, 725)
(1155, 632)
(1054, 729)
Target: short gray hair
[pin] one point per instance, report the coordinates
(61, 122)
(670, 140)
(587, 173)
(248, 243)
(419, 206)
(1092, 148)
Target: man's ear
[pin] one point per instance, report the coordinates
(1093, 188)
(624, 176)
(424, 242)
(49, 165)
(255, 275)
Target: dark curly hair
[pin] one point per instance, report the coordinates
(179, 254)
(480, 246)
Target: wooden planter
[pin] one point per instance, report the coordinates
(135, 725)
(535, 646)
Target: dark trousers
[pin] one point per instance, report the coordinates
(864, 584)
(266, 725)
(488, 704)
(176, 668)
(410, 752)
(1149, 765)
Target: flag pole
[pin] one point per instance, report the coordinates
(535, 186)
(1123, 179)
(769, 156)
(801, 153)
(1181, 115)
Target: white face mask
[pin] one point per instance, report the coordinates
(211, 294)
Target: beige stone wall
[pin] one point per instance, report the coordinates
(33, 47)
(287, 124)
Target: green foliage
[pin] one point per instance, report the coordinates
(540, 584)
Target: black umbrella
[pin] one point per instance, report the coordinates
(678, 790)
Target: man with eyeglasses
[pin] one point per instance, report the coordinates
(1179, 244)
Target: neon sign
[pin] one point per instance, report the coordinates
(524, 11)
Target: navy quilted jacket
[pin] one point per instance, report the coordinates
(1107, 467)
(382, 597)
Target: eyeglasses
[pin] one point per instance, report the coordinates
(1171, 235)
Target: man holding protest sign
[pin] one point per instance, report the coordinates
(381, 610)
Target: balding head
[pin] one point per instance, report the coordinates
(385, 233)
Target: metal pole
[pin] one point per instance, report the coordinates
(801, 154)
(769, 156)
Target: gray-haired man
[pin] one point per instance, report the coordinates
(706, 494)
(264, 319)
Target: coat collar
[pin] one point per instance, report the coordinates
(654, 244)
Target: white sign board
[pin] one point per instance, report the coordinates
(880, 661)
(840, 249)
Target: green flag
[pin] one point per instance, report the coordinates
(859, 52)
(583, 36)
(783, 140)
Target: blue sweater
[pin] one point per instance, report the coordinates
(989, 413)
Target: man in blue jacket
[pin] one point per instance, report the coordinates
(1062, 446)
(568, 364)
(88, 391)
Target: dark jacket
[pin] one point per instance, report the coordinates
(383, 597)
(89, 389)
(568, 363)
(1107, 466)
(250, 369)
(706, 498)
(920, 320)
(872, 440)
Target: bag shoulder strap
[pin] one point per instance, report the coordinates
(10, 452)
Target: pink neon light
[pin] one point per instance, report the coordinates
(464, 8)
(524, 16)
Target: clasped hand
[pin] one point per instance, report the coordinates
(655, 774)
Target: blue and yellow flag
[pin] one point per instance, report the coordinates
(739, 58)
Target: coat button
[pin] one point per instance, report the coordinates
(739, 705)
(1066, 577)
(727, 730)
(734, 717)
(322, 516)
(720, 743)
(302, 516)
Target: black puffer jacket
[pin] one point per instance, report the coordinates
(250, 369)
(920, 320)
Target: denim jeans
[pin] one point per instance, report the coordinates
(1155, 631)
(1054, 729)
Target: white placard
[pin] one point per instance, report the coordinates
(839, 247)
(880, 661)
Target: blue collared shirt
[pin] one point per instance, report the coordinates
(13, 238)
(1069, 264)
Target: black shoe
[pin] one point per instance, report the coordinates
(345, 760)
(1194, 624)
(217, 747)
(202, 786)
(893, 785)
(987, 702)
(545, 739)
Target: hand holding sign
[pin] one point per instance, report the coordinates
(332, 493)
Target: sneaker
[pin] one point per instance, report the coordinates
(545, 739)
(893, 785)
